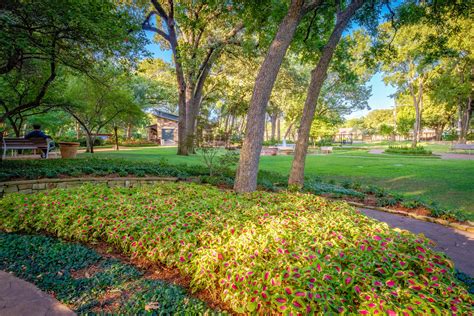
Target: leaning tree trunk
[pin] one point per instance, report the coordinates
(318, 75)
(246, 177)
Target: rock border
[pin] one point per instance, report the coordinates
(458, 226)
(33, 186)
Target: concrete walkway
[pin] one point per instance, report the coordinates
(442, 155)
(454, 156)
(18, 298)
(457, 244)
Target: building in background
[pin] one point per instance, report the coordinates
(165, 130)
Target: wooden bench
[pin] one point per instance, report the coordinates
(23, 143)
(467, 147)
(269, 151)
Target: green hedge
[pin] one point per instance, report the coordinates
(35, 169)
(405, 150)
(266, 252)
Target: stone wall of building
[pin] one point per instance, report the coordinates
(33, 186)
(162, 123)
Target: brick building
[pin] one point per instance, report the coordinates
(165, 130)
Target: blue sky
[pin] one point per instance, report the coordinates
(380, 98)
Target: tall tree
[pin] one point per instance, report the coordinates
(197, 33)
(109, 98)
(246, 177)
(318, 75)
(49, 34)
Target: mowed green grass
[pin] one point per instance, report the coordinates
(448, 182)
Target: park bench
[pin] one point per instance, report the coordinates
(269, 151)
(23, 144)
(468, 147)
(326, 149)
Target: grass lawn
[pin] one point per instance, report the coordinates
(449, 182)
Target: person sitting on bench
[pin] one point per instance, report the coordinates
(38, 133)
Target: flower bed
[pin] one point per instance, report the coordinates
(265, 252)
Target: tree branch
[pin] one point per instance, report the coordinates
(146, 25)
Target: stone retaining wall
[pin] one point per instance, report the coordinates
(32, 186)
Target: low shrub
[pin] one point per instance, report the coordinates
(52, 265)
(331, 189)
(415, 203)
(136, 142)
(405, 150)
(35, 169)
(386, 201)
(259, 252)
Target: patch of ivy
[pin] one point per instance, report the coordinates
(51, 264)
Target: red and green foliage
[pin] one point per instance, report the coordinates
(267, 252)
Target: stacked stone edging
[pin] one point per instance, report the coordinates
(33, 186)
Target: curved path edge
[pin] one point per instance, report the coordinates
(18, 297)
(457, 244)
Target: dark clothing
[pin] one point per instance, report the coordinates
(40, 134)
(36, 134)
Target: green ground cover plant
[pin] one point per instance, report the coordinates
(407, 150)
(53, 266)
(265, 252)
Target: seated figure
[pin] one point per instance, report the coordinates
(38, 133)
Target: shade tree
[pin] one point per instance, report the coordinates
(246, 176)
(40, 37)
(97, 103)
(197, 33)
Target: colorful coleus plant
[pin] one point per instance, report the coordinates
(263, 252)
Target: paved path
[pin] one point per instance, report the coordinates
(18, 298)
(455, 156)
(457, 244)
(376, 151)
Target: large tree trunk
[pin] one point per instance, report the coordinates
(190, 119)
(246, 177)
(318, 75)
